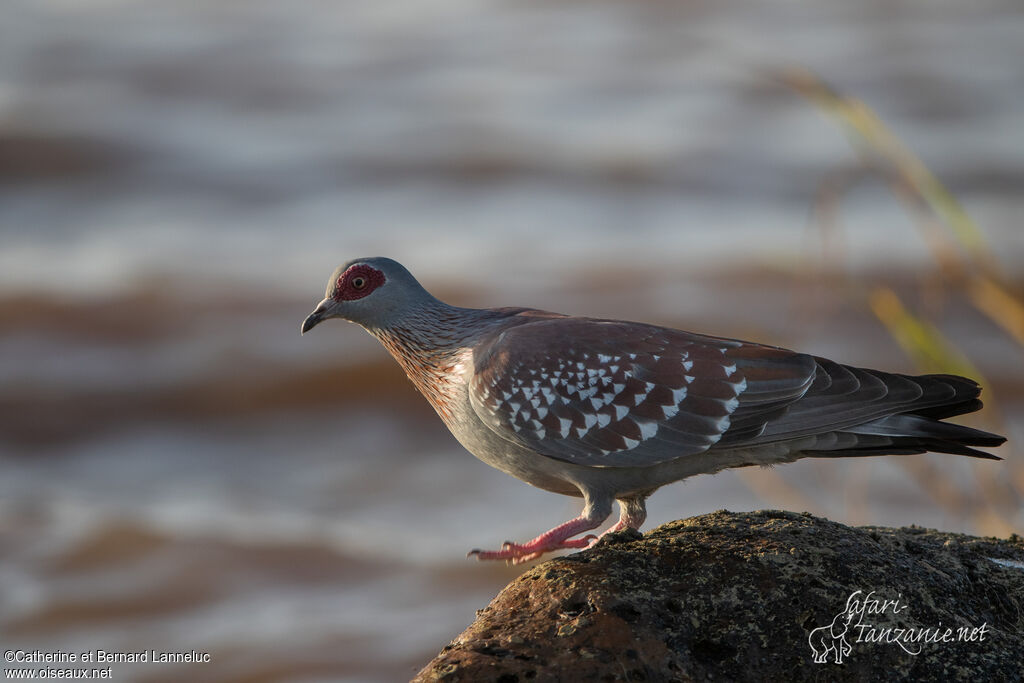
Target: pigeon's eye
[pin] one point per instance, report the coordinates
(358, 281)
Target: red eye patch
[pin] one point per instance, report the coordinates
(357, 282)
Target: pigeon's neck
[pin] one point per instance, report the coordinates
(433, 344)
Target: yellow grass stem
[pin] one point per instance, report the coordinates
(868, 131)
(1002, 307)
(920, 339)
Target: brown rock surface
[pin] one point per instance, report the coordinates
(737, 596)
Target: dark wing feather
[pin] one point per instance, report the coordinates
(617, 394)
(842, 397)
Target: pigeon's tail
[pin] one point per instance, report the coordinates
(918, 430)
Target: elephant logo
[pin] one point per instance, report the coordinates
(831, 639)
(876, 619)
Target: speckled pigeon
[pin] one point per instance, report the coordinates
(610, 410)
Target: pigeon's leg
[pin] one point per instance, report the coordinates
(595, 511)
(632, 513)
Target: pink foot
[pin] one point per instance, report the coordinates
(517, 553)
(618, 526)
(556, 539)
(632, 516)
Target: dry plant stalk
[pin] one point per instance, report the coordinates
(965, 264)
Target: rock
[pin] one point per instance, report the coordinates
(756, 596)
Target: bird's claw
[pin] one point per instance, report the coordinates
(517, 553)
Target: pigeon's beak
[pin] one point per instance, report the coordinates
(318, 315)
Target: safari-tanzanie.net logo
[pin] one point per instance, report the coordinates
(868, 618)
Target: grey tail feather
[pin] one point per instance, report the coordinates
(917, 432)
(905, 447)
(950, 409)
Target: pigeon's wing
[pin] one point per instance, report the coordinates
(608, 393)
(845, 400)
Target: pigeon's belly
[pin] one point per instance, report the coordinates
(570, 479)
(535, 469)
(559, 476)
(567, 478)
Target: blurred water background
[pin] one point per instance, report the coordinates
(180, 470)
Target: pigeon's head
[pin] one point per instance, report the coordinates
(374, 292)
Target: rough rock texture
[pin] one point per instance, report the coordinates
(737, 596)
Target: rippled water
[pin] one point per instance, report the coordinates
(180, 470)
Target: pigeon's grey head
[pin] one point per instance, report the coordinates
(375, 292)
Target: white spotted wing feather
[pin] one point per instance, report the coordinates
(617, 394)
